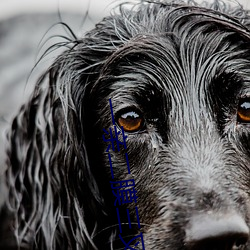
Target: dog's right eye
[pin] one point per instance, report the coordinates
(243, 113)
(131, 121)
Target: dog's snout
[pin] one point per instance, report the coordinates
(222, 232)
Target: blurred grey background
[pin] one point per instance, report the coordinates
(25, 25)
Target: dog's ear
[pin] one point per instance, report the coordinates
(52, 190)
(45, 167)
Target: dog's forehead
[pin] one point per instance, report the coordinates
(176, 64)
(182, 59)
(184, 55)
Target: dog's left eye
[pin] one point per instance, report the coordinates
(243, 113)
(131, 121)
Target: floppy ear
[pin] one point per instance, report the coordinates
(46, 168)
(52, 190)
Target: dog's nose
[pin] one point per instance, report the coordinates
(217, 232)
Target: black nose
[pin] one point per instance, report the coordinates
(217, 232)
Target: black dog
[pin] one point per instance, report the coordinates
(178, 79)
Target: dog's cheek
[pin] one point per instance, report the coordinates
(244, 140)
(238, 137)
(144, 158)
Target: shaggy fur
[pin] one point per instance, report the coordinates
(185, 70)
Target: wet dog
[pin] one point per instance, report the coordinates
(178, 78)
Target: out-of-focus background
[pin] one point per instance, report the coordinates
(25, 26)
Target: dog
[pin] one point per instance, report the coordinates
(154, 101)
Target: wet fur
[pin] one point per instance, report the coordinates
(185, 68)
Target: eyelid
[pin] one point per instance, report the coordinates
(244, 95)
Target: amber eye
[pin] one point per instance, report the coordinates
(243, 113)
(131, 121)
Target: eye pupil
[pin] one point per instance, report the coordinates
(130, 121)
(243, 113)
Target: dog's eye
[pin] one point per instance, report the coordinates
(243, 113)
(131, 121)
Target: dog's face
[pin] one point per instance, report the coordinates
(182, 94)
(178, 78)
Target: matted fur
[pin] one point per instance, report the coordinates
(184, 67)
